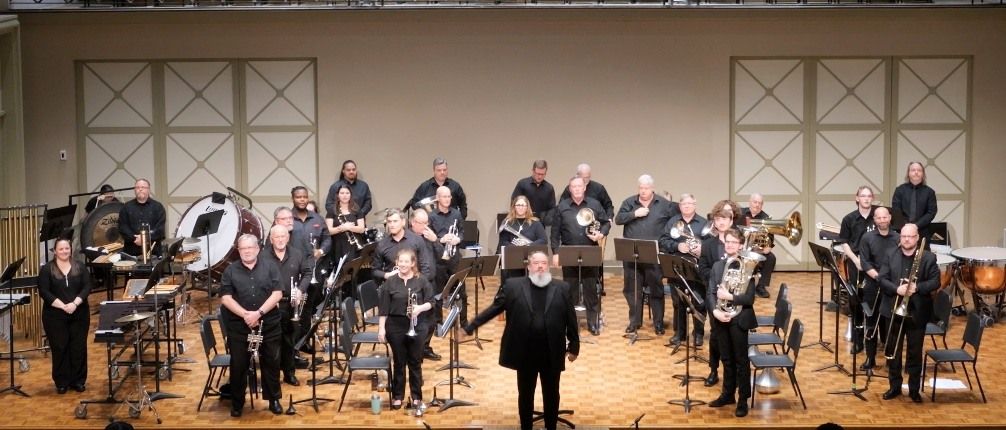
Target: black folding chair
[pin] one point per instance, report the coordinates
(972, 336)
(776, 336)
(769, 320)
(214, 360)
(354, 363)
(782, 361)
(942, 306)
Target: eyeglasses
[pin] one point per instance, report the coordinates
(732, 241)
(520, 205)
(247, 248)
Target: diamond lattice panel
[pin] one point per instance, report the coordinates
(768, 162)
(280, 92)
(768, 92)
(200, 163)
(117, 95)
(851, 91)
(943, 153)
(198, 94)
(118, 159)
(845, 160)
(952, 212)
(831, 213)
(784, 252)
(932, 90)
(282, 160)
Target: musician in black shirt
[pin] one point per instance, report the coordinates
(250, 290)
(915, 201)
(143, 210)
(298, 239)
(429, 189)
(713, 251)
(361, 191)
(539, 192)
(688, 245)
(400, 314)
(63, 285)
(107, 196)
(754, 211)
(310, 223)
(294, 272)
(592, 189)
(644, 216)
(385, 255)
(522, 220)
(854, 225)
(874, 249)
(567, 231)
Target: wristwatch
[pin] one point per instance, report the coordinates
(261, 313)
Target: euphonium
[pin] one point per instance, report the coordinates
(736, 276)
(680, 229)
(519, 239)
(450, 249)
(411, 309)
(900, 312)
(585, 218)
(350, 236)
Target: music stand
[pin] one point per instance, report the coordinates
(853, 304)
(344, 272)
(454, 361)
(206, 225)
(155, 276)
(479, 266)
(55, 224)
(5, 280)
(674, 266)
(516, 257)
(579, 256)
(637, 251)
(826, 260)
(309, 336)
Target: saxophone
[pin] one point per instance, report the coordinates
(736, 276)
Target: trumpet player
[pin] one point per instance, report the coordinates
(430, 186)
(402, 304)
(294, 273)
(567, 230)
(310, 222)
(688, 244)
(894, 281)
(644, 216)
(756, 202)
(249, 293)
(283, 216)
(520, 228)
(386, 252)
(732, 330)
(592, 189)
(874, 249)
(419, 224)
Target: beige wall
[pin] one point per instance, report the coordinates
(628, 91)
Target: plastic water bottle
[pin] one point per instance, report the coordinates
(375, 403)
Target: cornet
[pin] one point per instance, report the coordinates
(411, 310)
(450, 249)
(314, 278)
(586, 219)
(254, 342)
(297, 300)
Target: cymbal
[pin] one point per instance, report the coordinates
(191, 241)
(135, 316)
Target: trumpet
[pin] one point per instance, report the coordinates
(314, 278)
(411, 310)
(586, 219)
(297, 300)
(450, 249)
(350, 236)
(254, 342)
(519, 239)
(680, 229)
(900, 311)
(737, 275)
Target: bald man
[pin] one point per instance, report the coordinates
(295, 272)
(874, 248)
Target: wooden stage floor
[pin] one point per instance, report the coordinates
(610, 385)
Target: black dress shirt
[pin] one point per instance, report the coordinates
(314, 227)
(441, 222)
(250, 288)
(540, 196)
(294, 265)
(386, 253)
(53, 285)
(429, 189)
(298, 240)
(650, 226)
(854, 226)
(745, 318)
(566, 231)
(874, 250)
(596, 191)
(393, 296)
(132, 215)
(920, 305)
(669, 245)
(360, 191)
(924, 210)
(712, 251)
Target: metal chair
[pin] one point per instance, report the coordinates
(369, 296)
(214, 360)
(776, 336)
(354, 363)
(782, 297)
(783, 361)
(972, 336)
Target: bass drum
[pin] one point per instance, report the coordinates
(221, 248)
(101, 226)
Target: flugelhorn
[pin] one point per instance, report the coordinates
(519, 239)
(586, 219)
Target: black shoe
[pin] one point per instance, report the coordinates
(78, 387)
(892, 393)
(763, 293)
(275, 408)
(916, 397)
(235, 412)
(698, 340)
(395, 407)
(676, 340)
(300, 362)
(306, 348)
(722, 400)
(594, 331)
(630, 328)
(712, 379)
(868, 364)
(430, 354)
(61, 390)
(291, 379)
(742, 408)
(659, 330)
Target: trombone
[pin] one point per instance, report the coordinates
(900, 311)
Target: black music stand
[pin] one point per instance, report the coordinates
(674, 266)
(57, 222)
(516, 257)
(579, 256)
(155, 276)
(479, 266)
(5, 281)
(826, 260)
(206, 225)
(637, 251)
(452, 323)
(344, 272)
(314, 400)
(854, 302)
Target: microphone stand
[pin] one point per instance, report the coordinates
(479, 266)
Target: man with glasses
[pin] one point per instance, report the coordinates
(137, 213)
(854, 225)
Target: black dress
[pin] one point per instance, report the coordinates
(340, 242)
(67, 333)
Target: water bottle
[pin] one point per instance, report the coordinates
(375, 403)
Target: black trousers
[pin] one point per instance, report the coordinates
(648, 276)
(680, 313)
(289, 337)
(268, 364)
(733, 342)
(406, 351)
(914, 337)
(67, 334)
(589, 277)
(714, 344)
(526, 383)
(766, 268)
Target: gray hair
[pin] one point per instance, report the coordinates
(275, 213)
(646, 179)
(438, 161)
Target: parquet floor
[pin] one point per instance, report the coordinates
(610, 385)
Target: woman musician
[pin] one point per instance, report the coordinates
(64, 285)
(520, 220)
(403, 301)
(346, 225)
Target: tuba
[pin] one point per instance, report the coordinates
(761, 229)
(585, 218)
(737, 275)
